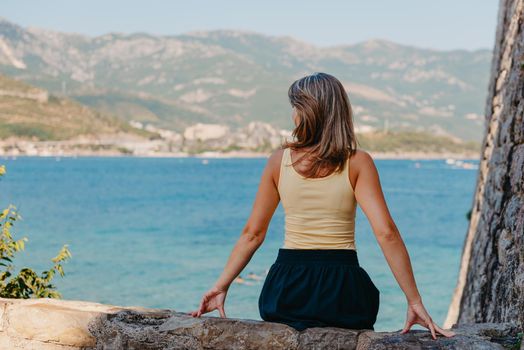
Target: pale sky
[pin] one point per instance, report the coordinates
(443, 24)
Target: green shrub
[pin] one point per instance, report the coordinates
(27, 283)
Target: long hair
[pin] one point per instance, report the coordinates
(325, 123)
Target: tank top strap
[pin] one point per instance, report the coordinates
(286, 162)
(284, 169)
(346, 167)
(287, 155)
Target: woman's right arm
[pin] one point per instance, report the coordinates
(369, 195)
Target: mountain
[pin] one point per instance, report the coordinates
(235, 77)
(27, 112)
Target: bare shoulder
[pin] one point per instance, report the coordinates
(361, 160)
(275, 158)
(360, 163)
(273, 164)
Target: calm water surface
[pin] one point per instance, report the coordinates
(158, 232)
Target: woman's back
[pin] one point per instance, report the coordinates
(319, 212)
(316, 279)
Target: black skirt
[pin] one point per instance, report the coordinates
(319, 288)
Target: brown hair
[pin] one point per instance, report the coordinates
(325, 123)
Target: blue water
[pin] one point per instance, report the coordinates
(158, 232)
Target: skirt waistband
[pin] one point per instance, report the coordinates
(301, 256)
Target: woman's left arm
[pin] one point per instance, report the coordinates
(251, 238)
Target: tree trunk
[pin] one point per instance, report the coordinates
(490, 285)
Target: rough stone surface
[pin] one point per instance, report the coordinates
(490, 286)
(173, 330)
(469, 336)
(50, 324)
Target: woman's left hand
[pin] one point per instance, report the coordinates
(212, 300)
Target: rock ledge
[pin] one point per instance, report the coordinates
(63, 324)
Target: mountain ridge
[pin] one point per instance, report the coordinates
(208, 76)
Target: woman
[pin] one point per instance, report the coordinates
(316, 280)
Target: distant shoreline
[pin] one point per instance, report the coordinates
(244, 154)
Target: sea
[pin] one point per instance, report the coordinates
(157, 232)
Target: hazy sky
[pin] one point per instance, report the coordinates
(443, 24)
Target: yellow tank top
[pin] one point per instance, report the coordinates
(319, 212)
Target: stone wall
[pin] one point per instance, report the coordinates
(490, 286)
(66, 325)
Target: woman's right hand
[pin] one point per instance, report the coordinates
(213, 299)
(417, 314)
